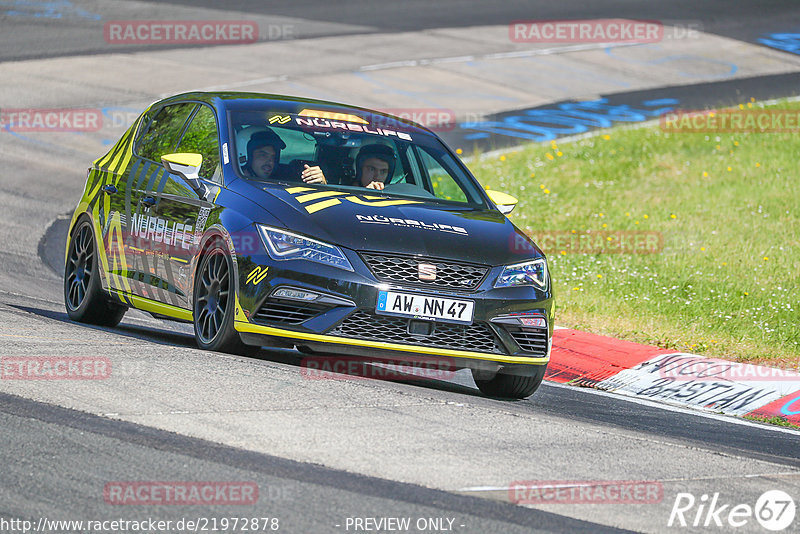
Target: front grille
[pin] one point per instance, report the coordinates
(449, 275)
(475, 337)
(287, 312)
(530, 340)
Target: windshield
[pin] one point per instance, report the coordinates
(277, 146)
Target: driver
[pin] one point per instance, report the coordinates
(264, 152)
(374, 165)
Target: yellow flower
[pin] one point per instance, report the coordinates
(730, 169)
(627, 214)
(606, 137)
(601, 215)
(533, 174)
(673, 216)
(758, 164)
(599, 276)
(712, 114)
(546, 191)
(559, 153)
(502, 158)
(605, 225)
(563, 252)
(724, 263)
(459, 151)
(702, 249)
(766, 258)
(609, 238)
(549, 156)
(646, 216)
(635, 222)
(736, 143)
(746, 293)
(718, 147)
(576, 289)
(741, 106)
(574, 232)
(705, 174)
(752, 99)
(749, 105)
(541, 186)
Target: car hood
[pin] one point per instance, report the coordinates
(381, 223)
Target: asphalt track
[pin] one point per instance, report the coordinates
(322, 451)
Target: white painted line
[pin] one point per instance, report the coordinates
(589, 483)
(670, 408)
(496, 55)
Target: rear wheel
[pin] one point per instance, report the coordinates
(510, 386)
(214, 304)
(83, 296)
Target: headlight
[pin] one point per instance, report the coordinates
(530, 273)
(283, 245)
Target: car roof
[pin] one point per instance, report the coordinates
(242, 101)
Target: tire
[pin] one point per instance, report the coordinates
(213, 304)
(510, 386)
(83, 297)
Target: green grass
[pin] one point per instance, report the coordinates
(727, 282)
(776, 420)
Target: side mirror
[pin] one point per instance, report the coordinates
(187, 166)
(505, 203)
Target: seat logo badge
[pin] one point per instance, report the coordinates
(427, 272)
(280, 119)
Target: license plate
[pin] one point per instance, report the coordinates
(425, 307)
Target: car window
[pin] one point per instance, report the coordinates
(421, 165)
(298, 146)
(161, 136)
(442, 183)
(201, 137)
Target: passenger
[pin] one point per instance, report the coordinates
(374, 165)
(264, 153)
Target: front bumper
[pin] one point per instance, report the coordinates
(344, 319)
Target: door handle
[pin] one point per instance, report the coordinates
(148, 201)
(109, 189)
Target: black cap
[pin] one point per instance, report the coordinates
(265, 138)
(382, 152)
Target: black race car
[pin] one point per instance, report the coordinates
(277, 221)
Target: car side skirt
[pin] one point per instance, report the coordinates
(153, 306)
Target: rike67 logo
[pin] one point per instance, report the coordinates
(774, 510)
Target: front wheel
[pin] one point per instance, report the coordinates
(83, 296)
(510, 386)
(214, 304)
